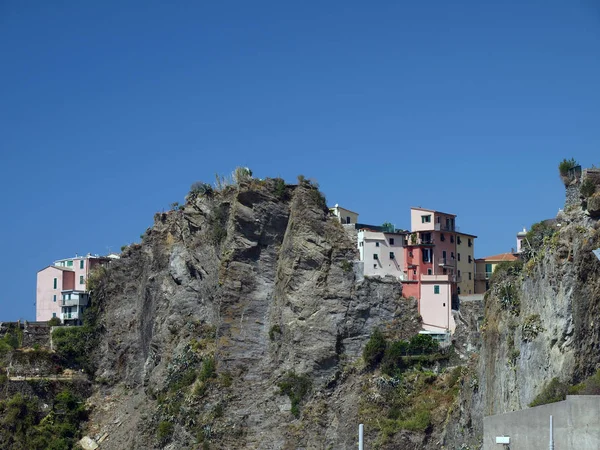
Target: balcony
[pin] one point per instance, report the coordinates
(440, 227)
(74, 302)
(436, 278)
(447, 262)
(418, 241)
(69, 316)
(482, 276)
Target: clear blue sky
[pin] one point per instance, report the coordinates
(109, 112)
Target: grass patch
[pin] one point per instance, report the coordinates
(296, 387)
(554, 391)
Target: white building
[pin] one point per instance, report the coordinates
(382, 253)
(344, 215)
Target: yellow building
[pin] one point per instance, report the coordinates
(484, 267)
(465, 263)
(344, 215)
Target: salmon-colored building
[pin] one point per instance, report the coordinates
(434, 261)
(61, 288)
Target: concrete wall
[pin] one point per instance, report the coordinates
(576, 426)
(435, 309)
(46, 294)
(467, 287)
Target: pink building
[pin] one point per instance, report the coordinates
(61, 288)
(433, 269)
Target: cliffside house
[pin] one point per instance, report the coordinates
(344, 215)
(61, 288)
(484, 268)
(434, 262)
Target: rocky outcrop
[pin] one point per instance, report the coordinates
(545, 325)
(257, 279)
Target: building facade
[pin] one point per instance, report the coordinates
(344, 215)
(434, 261)
(382, 253)
(61, 288)
(484, 268)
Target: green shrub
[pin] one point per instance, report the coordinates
(164, 431)
(374, 349)
(185, 379)
(274, 331)
(566, 165)
(347, 266)
(393, 362)
(590, 386)
(208, 369)
(54, 322)
(538, 235)
(423, 344)
(74, 346)
(554, 391)
(279, 189)
(296, 387)
(587, 188)
(318, 198)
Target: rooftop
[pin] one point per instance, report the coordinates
(432, 210)
(500, 257)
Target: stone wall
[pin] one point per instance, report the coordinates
(575, 426)
(33, 333)
(572, 195)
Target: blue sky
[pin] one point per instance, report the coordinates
(109, 112)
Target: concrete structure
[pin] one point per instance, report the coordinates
(521, 240)
(344, 215)
(382, 253)
(484, 267)
(66, 276)
(435, 302)
(576, 425)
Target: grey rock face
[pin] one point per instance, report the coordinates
(257, 279)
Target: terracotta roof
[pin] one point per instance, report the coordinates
(500, 257)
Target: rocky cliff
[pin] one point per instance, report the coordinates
(230, 302)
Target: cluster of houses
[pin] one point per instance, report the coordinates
(434, 261)
(61, 288)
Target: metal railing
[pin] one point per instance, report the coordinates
(446, 262)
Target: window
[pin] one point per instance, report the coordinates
(452, 255)
(436, 289)
(429, 272)
(445, 304)
(470, 275)
(442, 237)
(458, 240)
(444, 254)
(55, 283)
(53, 314)
(470, 259)
(426, 255)
(470, 243)
(444, 271)
(391, 255)
(459, 273)
(81, 264)
(458, 256)
(426, 219)
(391, 241)
(69, 263)
(347, 219)
(458, 290)
(80, 279)
(376, 244)
(452, 239)
(426, 238)
(375, 256)
(54, 299)
(374, 266)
